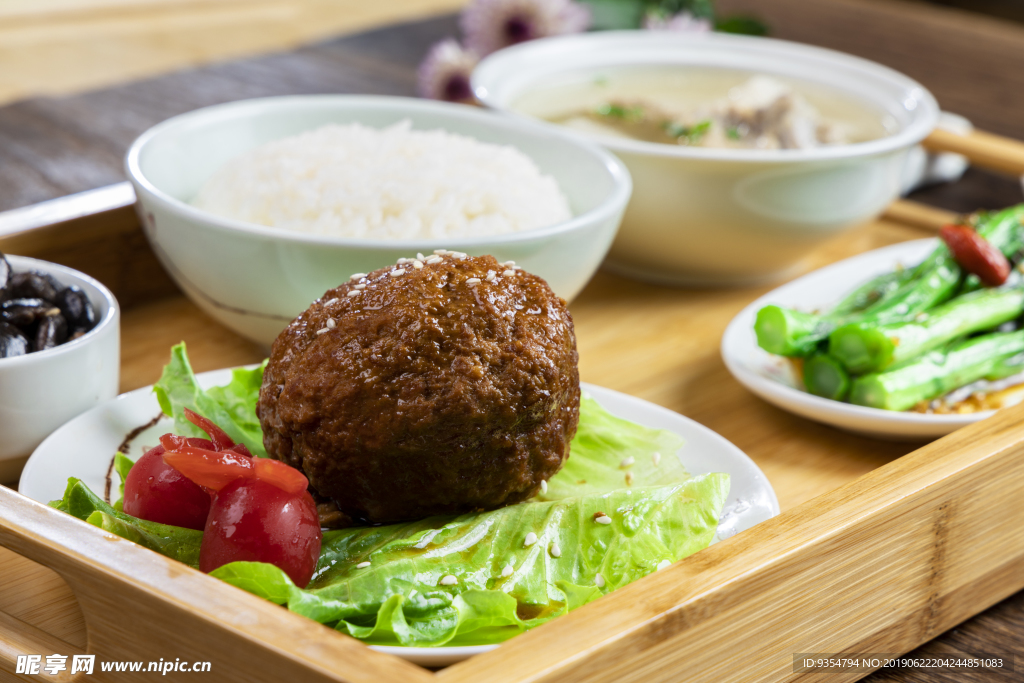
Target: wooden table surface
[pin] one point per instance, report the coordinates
(58, 146)
(51, 47)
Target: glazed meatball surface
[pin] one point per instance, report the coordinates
(416, 391)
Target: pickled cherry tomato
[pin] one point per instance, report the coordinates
(173, 442)
(284, 477)
(221, 441)
(242, 449)
(210, 469)
(253, 509)
(255, 521)
(155, 491)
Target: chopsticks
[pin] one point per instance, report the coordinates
(994, 152)
(918, 215)
(987, 150)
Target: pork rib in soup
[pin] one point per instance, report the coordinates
(707, 108)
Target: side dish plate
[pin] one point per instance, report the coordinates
(773, 378)
(83, 448)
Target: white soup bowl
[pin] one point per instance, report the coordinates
(707, 216)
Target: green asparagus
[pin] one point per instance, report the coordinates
(825, 376)
(888, 298)
(938, 277)
(873, 291)
(862, 347)
(787, 332)
(992, 356)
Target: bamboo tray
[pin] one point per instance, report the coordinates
(878, 549)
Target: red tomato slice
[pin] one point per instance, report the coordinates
(211, 469)
(173, 442)
(282, 476)
(221, 441)
(240, 448)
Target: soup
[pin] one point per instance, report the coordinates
(706, 107)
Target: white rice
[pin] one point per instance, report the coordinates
(392, 183)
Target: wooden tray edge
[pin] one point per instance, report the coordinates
(933, 537)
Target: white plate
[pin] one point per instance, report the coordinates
(773, 379)
(83, 448)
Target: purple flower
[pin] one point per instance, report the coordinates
(490, 25)
(684, 22)
(444, 73)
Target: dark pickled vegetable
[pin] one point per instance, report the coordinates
(24, 312)
(37, 312)
(5, 273)
(32, 285)
(53, 331)
(12, 341)
(78, 311)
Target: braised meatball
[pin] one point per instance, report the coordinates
(436, 386)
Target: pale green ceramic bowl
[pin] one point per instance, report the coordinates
(255, 279)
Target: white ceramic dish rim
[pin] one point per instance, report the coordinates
(763, 386)
(435, 656)
(621, 180)
(24, 262)
(925, 115)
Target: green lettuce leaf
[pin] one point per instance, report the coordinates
(122, 465)
(174, 542)
(658, 514)
(399, 597)
(231, 407)
(601, 445)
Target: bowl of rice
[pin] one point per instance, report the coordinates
(257, 207)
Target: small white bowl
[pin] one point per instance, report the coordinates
(256, 279)
(725, 216)
(41, 391)
(774, 379)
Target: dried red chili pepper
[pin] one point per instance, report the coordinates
(976, 255)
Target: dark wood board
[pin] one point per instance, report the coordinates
(973, 64)
(56, 146)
